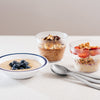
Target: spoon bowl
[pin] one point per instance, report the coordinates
(60, 70)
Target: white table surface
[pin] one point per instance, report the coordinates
(45, 85)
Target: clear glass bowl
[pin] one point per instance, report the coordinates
(52, 50)
(86, 59)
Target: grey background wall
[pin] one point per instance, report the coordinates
(75, 17)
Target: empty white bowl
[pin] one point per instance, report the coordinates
(22, 74)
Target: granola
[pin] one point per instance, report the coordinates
(52, 48)
(52, 42)
(85, 45)
(87, 61)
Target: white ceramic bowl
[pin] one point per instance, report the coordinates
(23, 74)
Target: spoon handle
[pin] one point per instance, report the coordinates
(89, 75)
(87, 78)
(84, 81)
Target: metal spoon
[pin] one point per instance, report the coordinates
(62, 71)
(88, 78)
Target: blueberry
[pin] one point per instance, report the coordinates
(14, 67)
(23, 64)
(14, 62)
(10, 64)
(22, 61)
(17, 66)
(27, 67)
(26, 63)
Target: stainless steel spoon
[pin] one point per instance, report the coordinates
(62, 71)
(83, 75)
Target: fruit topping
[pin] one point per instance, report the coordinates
(84, 54)
(52, 38)
(19, 65)
(77, 49)
(85, 50)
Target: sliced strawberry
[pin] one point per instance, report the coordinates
(86, 49)
(94, 48)
(84, 54)
(77, 49)
(94, 51)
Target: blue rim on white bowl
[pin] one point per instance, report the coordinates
(45, 61)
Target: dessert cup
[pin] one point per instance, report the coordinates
(52, 45)
(86, 54)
